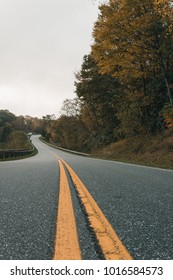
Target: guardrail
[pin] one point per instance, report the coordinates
(63, 149)
(14, 153)
(9, 153)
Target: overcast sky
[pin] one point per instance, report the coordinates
(42, 44)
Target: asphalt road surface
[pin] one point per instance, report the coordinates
(136, 200)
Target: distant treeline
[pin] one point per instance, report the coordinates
(125, 85)
(12, 134)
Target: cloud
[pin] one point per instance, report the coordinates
(42, 45)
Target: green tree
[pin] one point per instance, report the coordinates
(6, 124)
(99, 96)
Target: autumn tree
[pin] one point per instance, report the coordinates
(47, 124)
(70, 132)
(18, 140)
(20, 123)
(133, 41)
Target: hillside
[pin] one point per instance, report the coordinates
(146, 150)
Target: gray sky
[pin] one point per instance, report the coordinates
(42, 44)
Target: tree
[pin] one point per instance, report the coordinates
(6, 124)
(134, 42)
(99, 95)
(71, 107)
(20, 123)
(47, 124)
(69, 132)
(18, 140)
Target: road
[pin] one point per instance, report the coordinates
(137, 201)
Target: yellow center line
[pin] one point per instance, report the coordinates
(66, 243)
(109, 242)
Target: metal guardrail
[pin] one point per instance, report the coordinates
(14, 153)
(9, 153)
(71, 151)
(63, 149)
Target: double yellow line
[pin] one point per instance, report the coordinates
(66, 243)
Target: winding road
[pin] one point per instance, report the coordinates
(66, 206)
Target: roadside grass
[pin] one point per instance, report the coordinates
(148, 150)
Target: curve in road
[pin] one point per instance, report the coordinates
(136, 200)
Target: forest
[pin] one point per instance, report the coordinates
(125, 85)
(124, 88)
